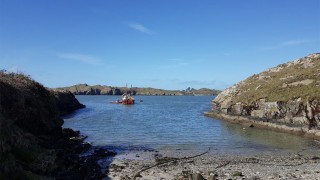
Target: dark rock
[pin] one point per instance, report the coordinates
(185, 173)
(116, 91)
(315, 158)
(138, 175)
(213, 176)
(66, 101)
(102, 153)
(237, 173)
(116, 168)
(126, 177)
(32, 139)
(197, 176)
(70, 133)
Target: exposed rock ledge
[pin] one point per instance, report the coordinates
(66, 102)
(284, 98)
(265, 124)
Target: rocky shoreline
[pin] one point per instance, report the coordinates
(71, 161)
(33, 144)
(66, 102)
(284, 98)
(265, 124)
(208, 165)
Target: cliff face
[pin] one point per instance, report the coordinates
(84, 89)
(288, 94)
(30, 127)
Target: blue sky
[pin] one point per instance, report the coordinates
(169, 44)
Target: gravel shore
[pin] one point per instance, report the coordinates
(185, 165)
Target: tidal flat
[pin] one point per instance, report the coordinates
(181, 165)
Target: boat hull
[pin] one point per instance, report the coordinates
(128, 102)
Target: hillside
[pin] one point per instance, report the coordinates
(33, 144)
(84, 89)
(288, 94)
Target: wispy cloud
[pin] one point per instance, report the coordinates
(140, 28)
(83, 58)
(287, 44)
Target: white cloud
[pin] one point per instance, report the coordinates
(80, 58)
(287, 44)
(140, 28)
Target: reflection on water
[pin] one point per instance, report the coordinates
(169, 123)
(266, 137)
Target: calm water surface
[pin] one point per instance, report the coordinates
(170, 123)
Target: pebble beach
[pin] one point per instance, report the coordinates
(180, 165)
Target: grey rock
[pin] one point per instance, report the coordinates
(197, 176)
(291, 110)
(213, 176)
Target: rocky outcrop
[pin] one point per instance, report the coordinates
(66, 101)
(286, 97)
(84, 89)
(33, 144)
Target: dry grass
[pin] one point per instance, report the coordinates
(275, 86)
(22, 82)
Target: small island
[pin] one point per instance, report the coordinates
(85, 89)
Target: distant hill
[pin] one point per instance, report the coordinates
(84, 89)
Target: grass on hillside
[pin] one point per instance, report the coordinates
(275, 86)
(20, 81)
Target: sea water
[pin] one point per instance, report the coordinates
(171, 123)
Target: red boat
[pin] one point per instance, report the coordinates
(127, 99)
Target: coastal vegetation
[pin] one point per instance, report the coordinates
(297, 79)
(288, 95)
(33, 144)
